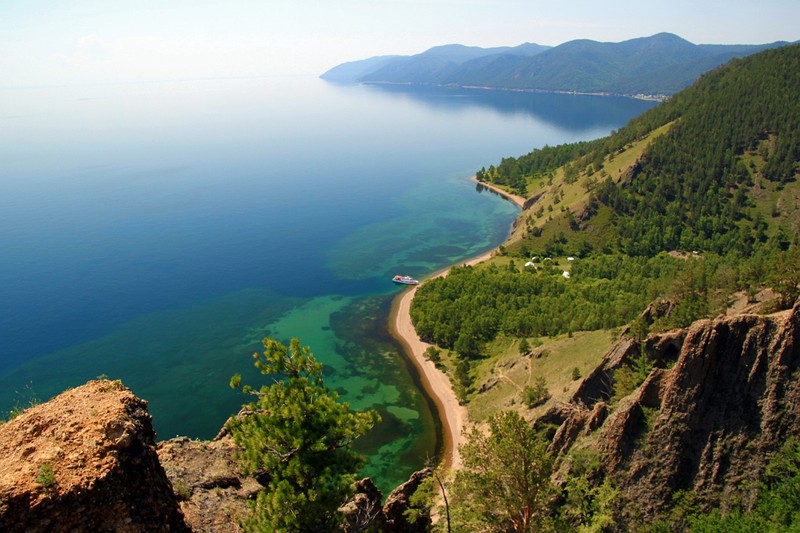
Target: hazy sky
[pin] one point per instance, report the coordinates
(47, 42)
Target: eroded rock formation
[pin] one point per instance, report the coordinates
(364, 511)
(707, 424)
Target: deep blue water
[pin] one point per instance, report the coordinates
(156, 232)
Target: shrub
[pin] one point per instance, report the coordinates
(46, 476)
(433, 354)
(537, 394)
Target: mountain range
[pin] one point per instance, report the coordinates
(661, 64)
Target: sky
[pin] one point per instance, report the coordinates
(65, 42)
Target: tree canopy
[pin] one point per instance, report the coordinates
(505, 483)
(472, 305)
(719, 185)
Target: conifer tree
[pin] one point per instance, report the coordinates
(505, 483)
(297, 435)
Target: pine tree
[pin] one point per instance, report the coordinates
(298, 435)
(505, 483)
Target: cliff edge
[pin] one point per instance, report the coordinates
(85, 461)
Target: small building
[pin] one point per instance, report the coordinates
(565, 274)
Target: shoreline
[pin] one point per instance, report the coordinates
(435, 383)
(516, 199)
(635, 96)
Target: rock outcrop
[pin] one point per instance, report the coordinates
(364, 511)
(709, 423)
(399, 501)
(212, 491)
(85, 461)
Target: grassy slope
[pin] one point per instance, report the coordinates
(505, 373)
(501, 377)
(548, 219)
(769, 199)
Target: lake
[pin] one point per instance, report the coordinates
(156, 232)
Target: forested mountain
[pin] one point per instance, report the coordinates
(660, 64)
(433, 63)
(715, 181)
(353, 70)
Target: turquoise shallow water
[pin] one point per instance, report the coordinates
(157, 232)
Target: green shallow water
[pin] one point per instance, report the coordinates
(200, 347)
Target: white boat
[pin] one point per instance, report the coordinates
(405, 280)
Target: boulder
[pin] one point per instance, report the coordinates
(85, 461)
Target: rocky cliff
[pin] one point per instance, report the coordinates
(85, 461)
(708, 423)
(214, 494)
(212, 491)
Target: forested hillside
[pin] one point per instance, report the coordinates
(692, 201)
(691, 211)
(430, 64)
(659, 64)
(722, 179)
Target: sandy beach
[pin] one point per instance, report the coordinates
(452, 415)
(519, 200)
